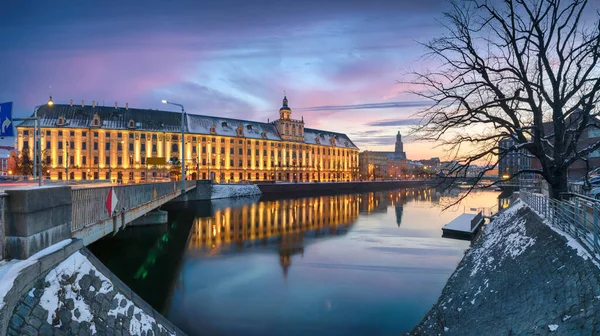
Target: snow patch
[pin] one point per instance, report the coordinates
(137, 326)
(10, 270)
(77, 265)
(503, 234)
(234, 190)
(565, 318)
(553, 327)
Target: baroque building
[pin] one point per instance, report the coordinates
(83, 142)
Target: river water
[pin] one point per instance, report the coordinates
(355, 264)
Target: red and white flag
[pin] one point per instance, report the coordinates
(111, 201)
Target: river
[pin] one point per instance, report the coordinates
(354, 264)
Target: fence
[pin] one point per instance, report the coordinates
(2, 225)
(579, 216)
(89, 205)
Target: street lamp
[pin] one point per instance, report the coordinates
(37, 169)
(182, 143)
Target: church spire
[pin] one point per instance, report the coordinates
(285, 100)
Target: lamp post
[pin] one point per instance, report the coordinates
(37, 168)
(182, 143)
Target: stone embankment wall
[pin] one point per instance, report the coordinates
(338, 187)
(78, 295)
(520, 277)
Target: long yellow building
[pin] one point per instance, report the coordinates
(83, 142)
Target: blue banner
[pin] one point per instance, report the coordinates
(6, 123)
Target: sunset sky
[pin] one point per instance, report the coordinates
(338, 61)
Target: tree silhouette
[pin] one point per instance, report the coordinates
(521, 69)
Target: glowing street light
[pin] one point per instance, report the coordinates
(164, 101)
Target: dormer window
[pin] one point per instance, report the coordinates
(249, 127)
(60, 121)
(346, 143)
(318, 139)
(263, 134)
(131, 124)
(333, 141)
(96, 120)
(240, 130)
(213, 129)
(224, 124)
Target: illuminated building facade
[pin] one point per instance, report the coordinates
(383, 165)
(80, 142)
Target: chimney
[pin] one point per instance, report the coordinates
(82, 103)
(116, 105)
(71, 102)
(93, 103)
(127, 106)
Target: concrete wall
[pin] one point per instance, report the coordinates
(35, 219)
(202, 192)
(336, 187)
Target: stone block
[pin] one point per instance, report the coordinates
(24, 247)
(36, 199)
(50, 260)
(22, 224)
(74, 246)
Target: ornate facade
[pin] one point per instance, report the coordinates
(83, 142)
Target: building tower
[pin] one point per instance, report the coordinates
(399, 145)
(288, 128)
(399, 151)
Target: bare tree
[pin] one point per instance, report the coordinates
(521, 69)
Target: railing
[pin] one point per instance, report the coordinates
(89, 205)
(579, 216)
(2, 226)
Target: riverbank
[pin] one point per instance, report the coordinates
(520, 277)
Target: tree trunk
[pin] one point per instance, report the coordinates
(558, 184)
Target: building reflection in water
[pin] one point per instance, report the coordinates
(379, 201)
(287, 225)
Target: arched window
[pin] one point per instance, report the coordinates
(174, 147)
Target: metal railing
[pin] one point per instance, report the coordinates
(578, 216)
(2, 225)
(89, 204)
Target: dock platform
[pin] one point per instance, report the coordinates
(464, 226)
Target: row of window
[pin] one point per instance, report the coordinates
(174, 148)
(213, 162)
(153, 136)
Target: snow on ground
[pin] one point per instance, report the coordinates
(553, 327)
(77, 266)
(233, 190)
(136, 327)
(11, 269)
(504, 234)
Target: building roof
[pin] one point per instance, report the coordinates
(77, 116)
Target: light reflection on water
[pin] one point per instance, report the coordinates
(358, 264)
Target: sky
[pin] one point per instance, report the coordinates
(338, 61)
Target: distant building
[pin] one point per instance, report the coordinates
(379, 165)
(372, 165)
(513, 162)
(5, 153)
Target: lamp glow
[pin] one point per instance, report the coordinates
(164, 101)
(50, 102)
